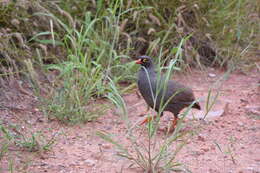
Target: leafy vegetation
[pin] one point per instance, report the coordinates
(36, 142)
(16, 139)
(227, 27)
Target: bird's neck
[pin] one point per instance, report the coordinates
(150, 70)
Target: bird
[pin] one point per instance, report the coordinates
(162, 95)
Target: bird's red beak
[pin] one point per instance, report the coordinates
(139, 61)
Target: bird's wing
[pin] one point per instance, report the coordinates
(177, 93)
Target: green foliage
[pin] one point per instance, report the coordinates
(91, 59)
(36, 142)
(16, 140)
(87, 43)
(232, 25)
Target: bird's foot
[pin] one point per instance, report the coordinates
(146, 120)
(173, 126)
(175, 122)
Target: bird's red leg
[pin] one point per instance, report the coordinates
(146, 120)
(149, 118)
(174, 122)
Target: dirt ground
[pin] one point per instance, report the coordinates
(226, 143)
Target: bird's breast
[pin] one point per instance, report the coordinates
(146, 89)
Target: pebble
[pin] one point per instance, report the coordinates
(240, 124)
(253, 109)
(15, 22)
(106, 146)
(205, 149)
(90, 162)
(200, 138)
(210, 116)
(212, 75)
(213, 147)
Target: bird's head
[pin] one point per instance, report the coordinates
(145, 61)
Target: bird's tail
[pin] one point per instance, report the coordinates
(196, 106)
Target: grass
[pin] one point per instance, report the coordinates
(16, 142)
(36, 142)
(228, 152)
(81, 79)
(96, 45)
(117, 28)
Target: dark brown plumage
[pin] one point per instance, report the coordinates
(174, 95)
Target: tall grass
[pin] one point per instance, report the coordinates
(127, 27)
(91, 60)
(232, 28)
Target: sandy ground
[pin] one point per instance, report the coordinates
(228, 142)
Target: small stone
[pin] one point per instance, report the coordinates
(43, 164)
(243, 101)
(35, 24)
(205, 149)
(106, 146)
(240, 124)
(97, 156)
(8, 30)
(90, 162)
(217, 113)
(108, 127)
(212, 147)
(200, 138)
(212, 75)
(210, 115)
(252, 169)
(15, 22)
(253, 109)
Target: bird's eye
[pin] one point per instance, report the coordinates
(145, 60)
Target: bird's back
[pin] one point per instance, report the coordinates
(170, 95)
(177, 97)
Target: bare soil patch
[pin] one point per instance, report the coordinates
(222, 144)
